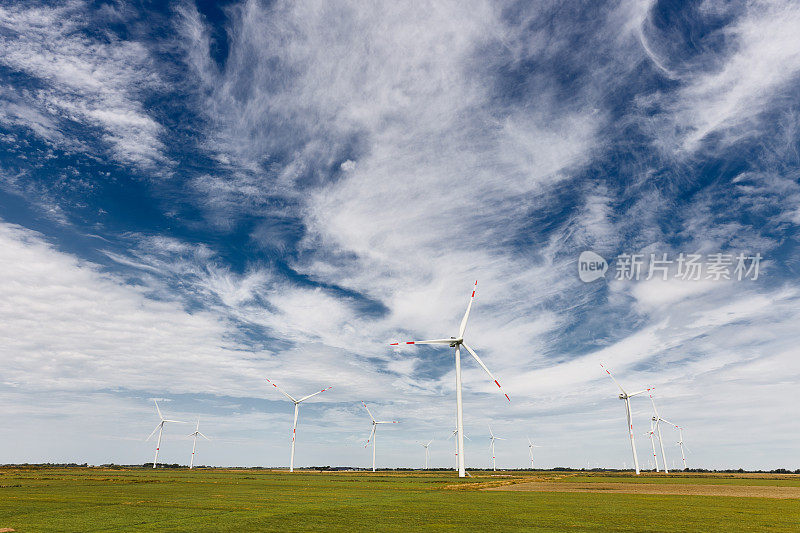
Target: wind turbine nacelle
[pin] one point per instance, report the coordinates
(621, 396)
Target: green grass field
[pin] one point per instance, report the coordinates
(87, 499)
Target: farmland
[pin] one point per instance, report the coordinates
(98, 499)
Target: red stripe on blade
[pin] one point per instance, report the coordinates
(412, 342)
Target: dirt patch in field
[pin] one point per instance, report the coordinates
(744, 491)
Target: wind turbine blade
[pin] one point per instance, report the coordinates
(388, 422)
(640, 392)
(371, 433)
(434, 341)
(368, 411)
(311, 395)
(281, 391)
(463, 326)
(176, 421)
(490, 430)
(612, 377)
(158, 410)
(429, 443)
(453, 434)
(153, 432)
(654, 405)
(529, 441)
(478, 359)
(203, 436)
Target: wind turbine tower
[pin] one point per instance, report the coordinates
(624, 396)
(457, 343)
(194, 444)
(160, 429)
(372, 433)
(296, 409)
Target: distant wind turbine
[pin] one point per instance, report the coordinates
(657, 419)
(455, 442)
(427, 452)
(372, 434)
(680, 443)
(531, 446)
(160, 429)
(492, 438)
(194, 444)
(626, 398)
(296, 407)
(457, 342)
(651, 434)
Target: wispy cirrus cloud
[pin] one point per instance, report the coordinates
(737, 73)
(357, 167)
(80, 78)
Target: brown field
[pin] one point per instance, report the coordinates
(746, 491)
(684, 484)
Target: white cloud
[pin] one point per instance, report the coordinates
(763, 57)
(415, 181)
(95, 83)
(656, 293)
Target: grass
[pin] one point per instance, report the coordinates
(88, 499)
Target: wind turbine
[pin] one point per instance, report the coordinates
(492, 438)
(194, 445)
(457, 342)
(372, 434)
(531, 446)
(455, 441)
(680, 443)
(296, 407)
(651, 434)
(427, 454)
(160, 429)
(657, 419)
(626, 398)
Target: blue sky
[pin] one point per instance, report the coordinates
(198, 195)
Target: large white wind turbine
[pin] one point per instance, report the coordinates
(427, 452)
(296, 408)
(160, 429)
(626, 398)
(194, 444)
(531, 446)
(457, 342)
(372, 433)
(657, 420)
(492, 438)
